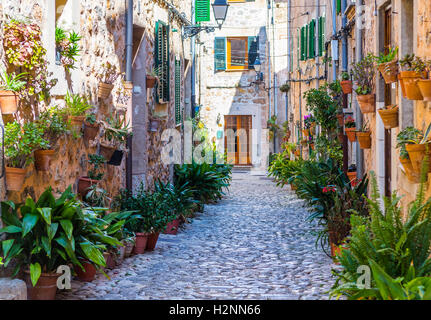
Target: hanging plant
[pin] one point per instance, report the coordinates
(285, 88)
(388, 66)
(67, 47)
(107, 77)
(413, 69)
(363, 73)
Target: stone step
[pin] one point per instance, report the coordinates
(12, 289)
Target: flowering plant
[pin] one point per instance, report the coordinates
(67, 47)
(328, 189)
(350, 122)
(109, 74)
(308, 121)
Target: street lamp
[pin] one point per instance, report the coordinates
(220, 8)
(258, 67)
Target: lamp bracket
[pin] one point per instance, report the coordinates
(191, 31)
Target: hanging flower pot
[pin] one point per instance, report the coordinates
(364, 139)
(172, 227)
(107, 151)
(346, 86)
(417, 154)
(45, 288)
(389, 71)
(89, 272)
(116, 158)
(367, 103)
(352, 176)
(84, 184)
(90, 131)
(150, 81)
(76, 121)
(351, 134)
(425, 88)
(409, 84)
(8, 102)
(42, 159)
(389, 116)
(306, 132)
(152, 241)
(15, 178)
(340, 118)
(105, 90)
(287, 136)
(412, 176)
(297, 153)
(312, 146)
(140, 243)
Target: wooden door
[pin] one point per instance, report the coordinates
(388, 101)
(238, 139)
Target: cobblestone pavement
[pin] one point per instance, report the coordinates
(254, 244)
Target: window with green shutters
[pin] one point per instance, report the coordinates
(303, 44)
(220, 54)
(178, 109)
(162, 61)
(312, 39)
(321, 48)
(202, 10)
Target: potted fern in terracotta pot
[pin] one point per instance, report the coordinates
(10, 86)
(106, 79)
(115, 139)
(152, 78)
(76, 107)
(346, 83)
(413, 70)
(91, 127)
(418, 147)
(389, 115)
(364, 137)
(405, 137)
(363, 73)
(388, 65)
(350, 128)
(20, 142)
(95, 174)
(424, 84)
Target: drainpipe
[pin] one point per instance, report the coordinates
(269, 63)
(317, 44)
(193, 67)
(289, 52)
(359, 56)
(128, 78)
(344, 38)
(334, 33)
(275, 74)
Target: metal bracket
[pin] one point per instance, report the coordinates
(191, 31)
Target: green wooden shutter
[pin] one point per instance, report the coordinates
(298, 49)
(303, 43)
(253, 51)
(321, 36)
(219, 54)
(312, 39)
(338, 6)
(307, 39)
(162, 61)
(202, 10)
(178, 110)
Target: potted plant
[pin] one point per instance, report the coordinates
(20, 141)
(425, 83)
(94, 174)
(413, 69)
(346, 83)
(272, 126)
(67, 48)
(152, 78)
(76, 106)
(418, 147)
(350, 128)
(406, 136)
(45, 234)
(307, 125)
(363, 73)
(285, 88)
(106, 80)
(389, 115)
(351, 173)
(91, 127)
(10, 86)
(114, 145)
(51, 123)
(287, 132)
(364, 137)
(388, 66)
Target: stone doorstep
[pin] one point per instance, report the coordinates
(12, 289)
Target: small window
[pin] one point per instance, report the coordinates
(237, 53)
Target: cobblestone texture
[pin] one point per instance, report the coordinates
(254, 244)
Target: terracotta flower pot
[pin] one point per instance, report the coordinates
(119, 258)
(389, 117)
(306, 132)
(46, 286)
(150, 81)
(84, 183)
(351, 134)
(417, 154)
(89, 272)
(152, 241)
(15, 178)
(128, 248)
(346, 86)
(367, 103)
(337, 250)
(8, 102)
(42, 159)
(104, 90)
(110, 262)
(140, 243)
(340, 118)
(425, 88)
(412, 176)
(90, 131)
(351, 175)
(409, 84)
(297, 153)
(389, 71)
(312, 146)
(364, 139)
(77, 121)
(172, 227)
(293, 187)
(107, 151)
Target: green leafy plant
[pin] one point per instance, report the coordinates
(406, 136)
(91, 118)
(95, 161)
(76, 105)
(323, 107)
(363, 73)
(67, 47)
(12, 82)
(350, 122)
(345, 76)
(97, 197)
(285, 88)
(52, 122)
(117, 130)
(389, 57)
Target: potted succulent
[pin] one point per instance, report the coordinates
(76, 106)
(51, 123)
(364, 137)
(152, 78)
(67, 48)
(418, 147)
(91, 127)
(424, 84)
(10, 86)
(285, 88)
(116, 132)
(387, 64)
(45, 234)
(20, 141)
(406, 136)
(413, 69)
(94, 174)
(389, 115)
(346, 83)
(363, 73)
(106, 80)
(350, 128)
